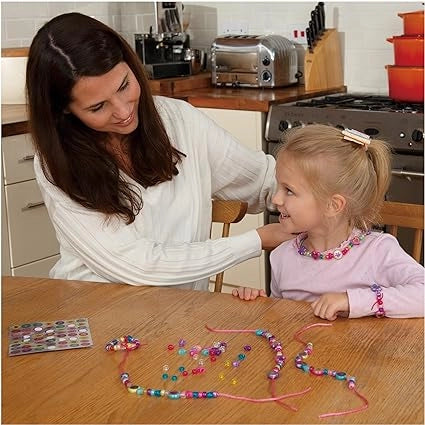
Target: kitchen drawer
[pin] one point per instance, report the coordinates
(18, 158)
(32, 236)
(39, 268)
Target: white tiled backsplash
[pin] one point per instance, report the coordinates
(363, 26)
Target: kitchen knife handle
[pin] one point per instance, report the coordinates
(319, 18)
(323, 16)
(308, 36)
(312, 33)
(315, 21)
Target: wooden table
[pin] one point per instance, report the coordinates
(83, 386)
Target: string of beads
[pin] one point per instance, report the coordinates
(336, 253)
(129, 343)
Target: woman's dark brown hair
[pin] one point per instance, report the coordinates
(73, 156)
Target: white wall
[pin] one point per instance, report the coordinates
(363, 26)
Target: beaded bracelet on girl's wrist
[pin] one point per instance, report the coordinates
(379, 300)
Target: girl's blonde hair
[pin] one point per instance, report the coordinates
(332, 165)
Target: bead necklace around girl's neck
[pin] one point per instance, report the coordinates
(333, 253)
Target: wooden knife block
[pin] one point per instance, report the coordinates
(323, 66)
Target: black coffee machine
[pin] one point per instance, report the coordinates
(165, 52)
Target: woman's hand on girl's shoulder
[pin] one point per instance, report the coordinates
(248, 294)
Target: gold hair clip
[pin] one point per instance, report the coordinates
(356, 137)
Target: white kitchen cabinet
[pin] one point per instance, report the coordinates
(248, 128)
(29, 245)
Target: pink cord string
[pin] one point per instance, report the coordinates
(260, 400)
(272, 383)
(306, 327)
(347, 412)
(359, 395)
(287, 406)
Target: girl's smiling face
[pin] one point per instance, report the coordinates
(299, 210)
(109, 102)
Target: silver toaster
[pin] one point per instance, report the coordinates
(253, 61)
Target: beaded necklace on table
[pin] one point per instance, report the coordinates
(339, 376)
(333, 253)
(129, 343)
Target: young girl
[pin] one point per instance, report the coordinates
(331, 184)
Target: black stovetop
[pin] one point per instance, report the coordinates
(362, 102)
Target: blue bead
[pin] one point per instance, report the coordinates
(195, 394)
(258, 332)
(157, 393)
(340, 376)
(325, 371)
(241, 356)
(174, 378)
(181, 369)
(165, 376)
(210, 394)
(305, 367)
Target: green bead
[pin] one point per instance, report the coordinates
(340, 376)
(210, 395)
(241, 356)
(305, 367)
(165, 376)
(181, 351)
(181, 369)
(174, 378)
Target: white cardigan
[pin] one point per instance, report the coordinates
(168, 243)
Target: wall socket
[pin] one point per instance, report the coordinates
(235, 27)
(297, 34)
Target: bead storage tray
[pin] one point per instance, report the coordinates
(36, 337)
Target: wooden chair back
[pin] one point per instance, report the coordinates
(226, 212)
(397, 214)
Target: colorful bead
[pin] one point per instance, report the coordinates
(182, 343)
(165, 368)
(174, 378)
(165, 376)
(247, 347)
(221, 375)
(181, 351)
(185, 373)
(181, 369)
(234, 381)
(227, 363)
(170, 347)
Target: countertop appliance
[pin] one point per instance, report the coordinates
(164, 55)
(400, 124)
(254, 61)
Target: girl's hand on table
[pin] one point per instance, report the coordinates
(329, 305)
(248, 294)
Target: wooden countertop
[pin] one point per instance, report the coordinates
(196, 91)
(83, 385)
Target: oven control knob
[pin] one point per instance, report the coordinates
(417, 136)
(266, 61)
(283, 125)
(266, 76)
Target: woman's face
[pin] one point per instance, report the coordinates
(108, 102)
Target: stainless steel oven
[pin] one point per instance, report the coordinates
(400, 124)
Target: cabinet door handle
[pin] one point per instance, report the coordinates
(31, 205)
(27, 158)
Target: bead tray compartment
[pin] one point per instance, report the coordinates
(36, 337)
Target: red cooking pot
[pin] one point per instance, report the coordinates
(413, 22)
(406, 83)
(408, 50)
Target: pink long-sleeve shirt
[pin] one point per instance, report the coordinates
(378, 259)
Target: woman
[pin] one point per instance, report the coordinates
(127, 178)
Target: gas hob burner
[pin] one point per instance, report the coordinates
(363, 102)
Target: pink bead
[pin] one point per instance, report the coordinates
(189, 394)
(317, 372)
(351, 385)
